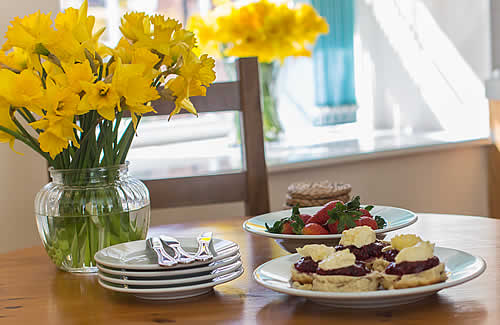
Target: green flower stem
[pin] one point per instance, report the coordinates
(28, 143)
(30, 116)
(125, 142)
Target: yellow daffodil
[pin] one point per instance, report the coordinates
(148, 60)
(136, 26)
(27, 33)
(6, 121)
(21, 90)
(57, 132)
(16, 59)
(61, 101)
(99, 96)
(77, 73)
(80, 26)
(129, 82)
(195, 75)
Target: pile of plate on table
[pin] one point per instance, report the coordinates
(310, 194)
(164, 267)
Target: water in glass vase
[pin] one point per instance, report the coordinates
(71, 242)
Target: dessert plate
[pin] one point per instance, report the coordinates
(171, 293)
(172, 274)
(461, 267)
(136, 256)
(169, 282)
(396, 218)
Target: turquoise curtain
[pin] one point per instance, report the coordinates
(333, 55)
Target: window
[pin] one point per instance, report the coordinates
(415, 73)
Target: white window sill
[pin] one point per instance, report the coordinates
(331, 146)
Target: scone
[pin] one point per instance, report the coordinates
(304, 269)
(339, 272)
(363, 243)
(413, 267)
(389, 252)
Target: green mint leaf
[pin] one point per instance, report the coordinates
(297, 222)
(354, 203)
(369, 207)
(277, 227)
(381, 223)
(356, 214)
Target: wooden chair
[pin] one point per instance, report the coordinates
(249, 185)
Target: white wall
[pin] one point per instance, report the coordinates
(20, 176)
(446, 181)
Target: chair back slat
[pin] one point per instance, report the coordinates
(197, 190)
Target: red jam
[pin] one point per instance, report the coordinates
(306, 264)
(366, 252)
(411, 267)
(353, 270)
(390, 255)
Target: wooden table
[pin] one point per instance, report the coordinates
(33, 291)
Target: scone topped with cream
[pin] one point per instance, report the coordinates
(341, 272)
(414, 266)
(303, 270)
(362, 242)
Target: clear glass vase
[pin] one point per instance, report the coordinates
(84, 210)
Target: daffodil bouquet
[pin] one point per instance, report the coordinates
(270, 31)
(64, 94)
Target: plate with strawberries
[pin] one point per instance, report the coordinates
(324, 224)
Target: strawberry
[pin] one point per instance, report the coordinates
(287, 228)
(314, 229)
(367, 221)
(305, 217)
(366, 213)
(332, 228)
(322, 215)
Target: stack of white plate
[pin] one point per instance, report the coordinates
(132, 268)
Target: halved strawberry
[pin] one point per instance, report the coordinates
(314, 229)
(287, 228)
(365, 213)
(322, 215)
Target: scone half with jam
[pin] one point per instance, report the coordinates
(304, 269)
(389, 252)
(414, 266)
(362, 242)
(340, 272)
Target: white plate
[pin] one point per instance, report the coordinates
(159, 293)
(396, 218)
(136, 256)
(461, 267)
(170, 282)
(168, 274)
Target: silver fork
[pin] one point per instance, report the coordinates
(163, 258)
(180, 254)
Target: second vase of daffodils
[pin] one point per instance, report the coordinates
(269, 31)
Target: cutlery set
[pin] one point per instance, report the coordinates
(158, 244)
(167, 268)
